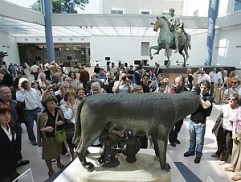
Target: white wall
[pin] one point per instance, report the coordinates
(128, 49)
(8, 44)
(225, 50)
(189, 6)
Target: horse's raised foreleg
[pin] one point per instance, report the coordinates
(157, 47)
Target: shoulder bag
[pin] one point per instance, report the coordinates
(60, 135)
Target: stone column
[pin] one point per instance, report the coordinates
(47, 12)
(212, 16)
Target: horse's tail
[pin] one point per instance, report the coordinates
(77, 132)
(188, 40)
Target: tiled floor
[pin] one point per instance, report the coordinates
(208, 170)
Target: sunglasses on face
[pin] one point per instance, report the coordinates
(232, 99)
(233, 82)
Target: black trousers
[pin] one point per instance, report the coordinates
(19, 146)
(175, 130)
(12, 176)
(225, 143)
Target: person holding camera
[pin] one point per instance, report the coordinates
(197, 124)
(33, 106)
(122, 86)
(201, 75)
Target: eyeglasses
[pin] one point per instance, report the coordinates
(233, 82)
(233, 99)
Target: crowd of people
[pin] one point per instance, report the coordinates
(49, 94)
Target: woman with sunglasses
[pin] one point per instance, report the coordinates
(223, 128)
(236, 152)
(234, 89)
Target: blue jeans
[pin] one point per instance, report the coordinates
(30, 116)
(196, 132)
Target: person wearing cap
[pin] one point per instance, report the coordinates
(46, 132)
(33, 106)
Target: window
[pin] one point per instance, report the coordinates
(237, 5)
(145, 12)
(195, 13)
(145, 48)
(117, 11)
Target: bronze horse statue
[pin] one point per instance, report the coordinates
(166, 40)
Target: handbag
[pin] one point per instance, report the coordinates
(20, 106)
(218, 124)
(60, 135)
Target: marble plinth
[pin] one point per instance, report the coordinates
(145, 169)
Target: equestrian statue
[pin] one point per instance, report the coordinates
(131, 115)
(171, 36)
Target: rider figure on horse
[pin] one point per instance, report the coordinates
(177, 27)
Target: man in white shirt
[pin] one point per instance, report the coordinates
(212, 76)
(35, 70)
(33, 106)
(201, 75)
(113, 70)
(218, 86)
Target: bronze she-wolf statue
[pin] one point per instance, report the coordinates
(153, 114)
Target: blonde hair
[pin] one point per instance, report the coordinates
(69, 92)
(137, 88)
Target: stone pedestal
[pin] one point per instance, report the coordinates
(145, 169)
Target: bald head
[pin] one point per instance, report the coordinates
(178, 81)
(5, 93)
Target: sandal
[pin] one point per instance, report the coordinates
(236, 178)
(230, 169)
